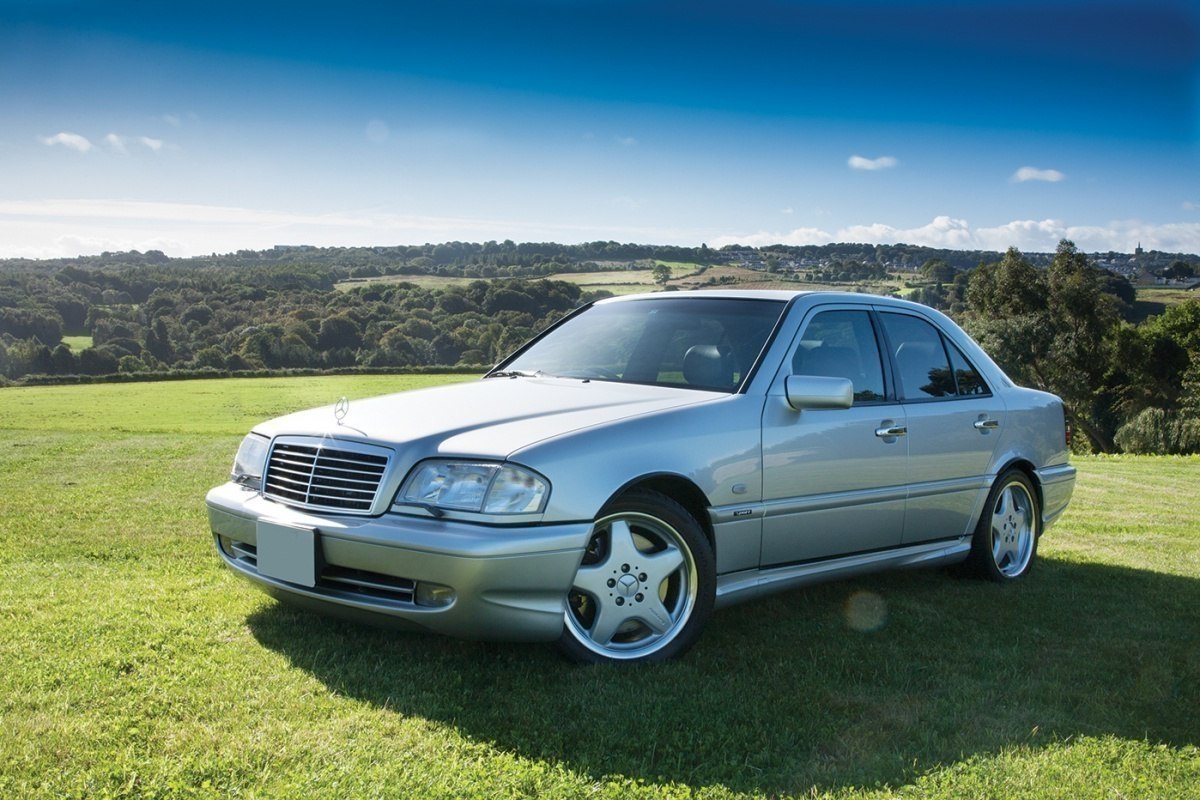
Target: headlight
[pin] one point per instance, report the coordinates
(481, 487)
(250, 461)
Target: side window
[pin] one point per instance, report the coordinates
(968, 379)
(841, 344)
(921, 363)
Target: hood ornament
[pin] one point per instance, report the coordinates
(341, 410)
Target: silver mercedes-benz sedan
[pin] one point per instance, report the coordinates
(647, 459)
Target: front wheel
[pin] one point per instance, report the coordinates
(1005, 542)
(645, 587)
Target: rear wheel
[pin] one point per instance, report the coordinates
(645, 587)
(1005, 543)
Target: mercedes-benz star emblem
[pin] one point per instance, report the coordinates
(341, 410)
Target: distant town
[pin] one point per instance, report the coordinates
(1141, 268)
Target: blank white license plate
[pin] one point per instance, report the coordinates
(287, 553)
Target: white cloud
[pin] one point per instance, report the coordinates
(1188, 205)
(1034, 174)
(798, 236)
(1034, 236)
(120, 144)
(64, 228)
(70, 140)
(625, 141)
(941, 232)
(871, 164)
(58, 228)
(788, 211)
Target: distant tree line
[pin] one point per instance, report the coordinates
(455, 259)
(151, 319)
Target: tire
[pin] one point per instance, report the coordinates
(645, 587)
(1004, 546)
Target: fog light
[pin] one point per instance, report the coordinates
(434, 595)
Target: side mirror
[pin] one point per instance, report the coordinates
(813, 391)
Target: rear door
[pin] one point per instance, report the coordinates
(953, 421)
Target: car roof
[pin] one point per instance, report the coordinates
(769, 294)
(740, 294)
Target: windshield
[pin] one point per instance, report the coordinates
(696, 342)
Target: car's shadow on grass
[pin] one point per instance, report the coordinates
(867, 682)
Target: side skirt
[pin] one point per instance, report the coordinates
(737, 587)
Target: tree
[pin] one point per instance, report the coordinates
(208, 357)
(1179, 270)
(98, 361)
(1158, 432)
(63, 360)
(200, 313)
(1179, 325)
(1052, 329)
(131, 364)
(28, 323)
(29, 357)
(158, 341)
(661, 273)
(338, 332)
(938, 271)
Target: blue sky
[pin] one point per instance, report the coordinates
(196, 128)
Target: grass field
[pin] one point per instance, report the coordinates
(77, 343)
(132, 664)
(1154, 300)
(617, 281)
(684, 275)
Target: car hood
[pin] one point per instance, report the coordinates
(492, 418)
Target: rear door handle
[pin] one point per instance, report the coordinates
(987, 424)
(891, 430)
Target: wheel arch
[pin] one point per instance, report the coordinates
(680, 489)
(1027, 467)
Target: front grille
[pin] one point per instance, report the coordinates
(321, 474)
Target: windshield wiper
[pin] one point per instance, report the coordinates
(515, 373)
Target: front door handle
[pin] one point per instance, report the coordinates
(890, 431)
(987, 424)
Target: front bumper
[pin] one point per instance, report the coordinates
(451, 577)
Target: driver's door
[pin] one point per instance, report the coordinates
(834, 480)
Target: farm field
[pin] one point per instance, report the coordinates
(133, 664)
(1153, 300)
(617, 281)
(77, 343)
(683, 276)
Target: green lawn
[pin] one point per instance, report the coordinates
(132, 664)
